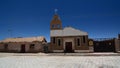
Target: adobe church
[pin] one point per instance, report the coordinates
(67, 39)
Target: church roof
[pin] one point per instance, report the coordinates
(28, 39)
(68, 31)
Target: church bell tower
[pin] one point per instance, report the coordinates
(56, 23)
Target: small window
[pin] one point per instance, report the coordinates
(59, 42)
(58, 26)
(83, 39)
(78, 41)
(53, 40)
(53, 26)
(32, 46)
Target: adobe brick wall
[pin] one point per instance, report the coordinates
(16, 47)
(83, 46)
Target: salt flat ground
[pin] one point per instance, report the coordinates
(35, 61)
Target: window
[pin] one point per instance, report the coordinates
(32, 46)
(83, 39)
(53, 26)
(53, 40)
(78, 41)
(59, 42)
(58, 26)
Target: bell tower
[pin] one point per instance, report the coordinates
(56, 23)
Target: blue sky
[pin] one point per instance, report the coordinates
(27, 18)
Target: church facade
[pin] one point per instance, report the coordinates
(67, 39)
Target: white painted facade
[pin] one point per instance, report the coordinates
(68, 31)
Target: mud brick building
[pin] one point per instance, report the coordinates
(30, 44)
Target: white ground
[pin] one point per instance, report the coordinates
(60, 62)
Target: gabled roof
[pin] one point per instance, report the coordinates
(28, 39)
(68, 31)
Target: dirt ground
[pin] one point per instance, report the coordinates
(41, 60)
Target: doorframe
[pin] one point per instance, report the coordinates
(21, 48)
(67, 48)
(68, 40)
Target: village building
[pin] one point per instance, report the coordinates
(29, 44)
(106, 44)
(67, 39)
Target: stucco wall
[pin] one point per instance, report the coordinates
(16, 47)
(61, 48)
(117, 45)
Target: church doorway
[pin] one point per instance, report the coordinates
(68, 47)
(22, 48)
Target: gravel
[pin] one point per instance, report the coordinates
(60, 62)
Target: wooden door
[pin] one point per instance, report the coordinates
(68, 47)
(22, 48)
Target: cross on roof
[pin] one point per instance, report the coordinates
(56, 11)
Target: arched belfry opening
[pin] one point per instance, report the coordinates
(56, 22)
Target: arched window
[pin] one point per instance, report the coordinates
(84, 39)
(53, 40)
(53, 26)
(78, 41)
(59, 42)
(58, 26)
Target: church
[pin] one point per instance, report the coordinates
(67, 39)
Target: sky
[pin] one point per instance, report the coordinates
(29, 18)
